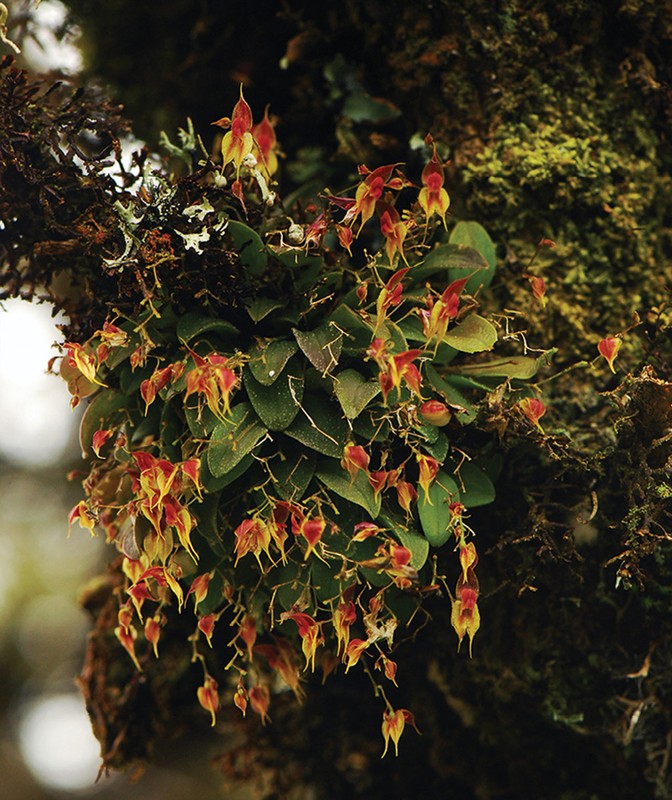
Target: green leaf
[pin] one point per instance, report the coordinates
(191, 325)
(233, 438)
(471, 234)
(439, 448)
(268, 360)
(473, 335)
(292, 476)
(451, 262)
(324, 580)
(411, 540)
(521, 367)
(358, 491)
(478, 489)
(320, 426)
(451, 395)
(322, 346)
(357, 333)
(278, 404)
(207, 527)
(171, 429)
(104, 411)
(200, 420)
(212, 484)
(249, 246)
(435, 516)
(354, 392)
(261, 307)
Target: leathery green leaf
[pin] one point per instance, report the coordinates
(434, 512)
(354, 392)
(521, 367)
(358, 491)
(192, 324)
(233, 438)
(249, 245)
(450, 262)
(473, 335)
(292, 475)
(322, 346)
(278, 404)
(269, 359)
(320, 426)
(473, 235)
(478, 489)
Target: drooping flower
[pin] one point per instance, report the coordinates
(153, 632)
(240, 697)
(260, 700)
(213, 378)
(388, 667)
(252, 536)
(248, 633)
(363, 530)
(206, 625)
(127, 636)
(281, 658)
(345, 237)
(84, 361)
(99, 438)
(406, 495)
(608, 348)
(353, 652)
(393, 726)
(468, 558)
(310, 528)
(400, 367)
(179, 518)
(390, 295)
(343, 617)
(465, 616)
(538, 285)
(310, 633)
(208, 697)
(355, 458)
(533, 409)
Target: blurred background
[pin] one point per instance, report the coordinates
(47, 749)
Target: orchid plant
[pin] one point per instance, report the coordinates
(276, 446)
